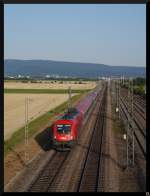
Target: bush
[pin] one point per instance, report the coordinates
(24, 81)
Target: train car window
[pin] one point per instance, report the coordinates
(64, 128)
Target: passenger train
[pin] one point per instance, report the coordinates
(65, 130)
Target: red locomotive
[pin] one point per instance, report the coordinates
(65, 130)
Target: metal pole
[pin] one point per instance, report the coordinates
(127, 147)
(132, 117)
(25, 125)
(133, 155)
(117, 94)
(26, 130)
(128, 123)
(69, 100)
(119, 98)
(133, 134)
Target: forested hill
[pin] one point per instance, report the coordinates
(71, 69)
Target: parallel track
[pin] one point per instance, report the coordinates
(90, 180)
(139, 133)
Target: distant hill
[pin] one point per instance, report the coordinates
(71, 69)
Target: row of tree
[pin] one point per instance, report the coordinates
(139, 85)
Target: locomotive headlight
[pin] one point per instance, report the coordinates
(54, 136)
(59, 125)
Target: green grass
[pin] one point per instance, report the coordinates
(35, 125)
(53, 91)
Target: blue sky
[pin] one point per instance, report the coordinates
(98, 33)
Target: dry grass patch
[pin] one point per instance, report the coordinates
(48, 85)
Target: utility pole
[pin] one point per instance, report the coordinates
(132, 119)
(123, 80)
(26, 130)
(118, 97)
(69, 99)
(130, 125)
(119, 83)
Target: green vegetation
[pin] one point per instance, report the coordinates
(53, 91)
(139, 81)
(139, 86)
(36, 125)
(139, 90)
(24, 81)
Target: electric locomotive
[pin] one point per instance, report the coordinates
(66, 129)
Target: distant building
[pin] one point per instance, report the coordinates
(20, 76)
(47, 76)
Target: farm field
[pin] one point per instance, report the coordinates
(48, 85)
(14, 108)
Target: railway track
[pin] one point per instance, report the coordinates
(49, 173)
(138, 120)
(140, 140)
(48, 179)
(90, 180)
(140, 110)
(139, 123)
(139, 113)
(139, 103)
(139, 134)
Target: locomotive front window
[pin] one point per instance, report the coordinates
(64, 128)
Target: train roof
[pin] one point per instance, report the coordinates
(70, 114)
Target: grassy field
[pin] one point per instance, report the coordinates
(52, 91)
(35, 125)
